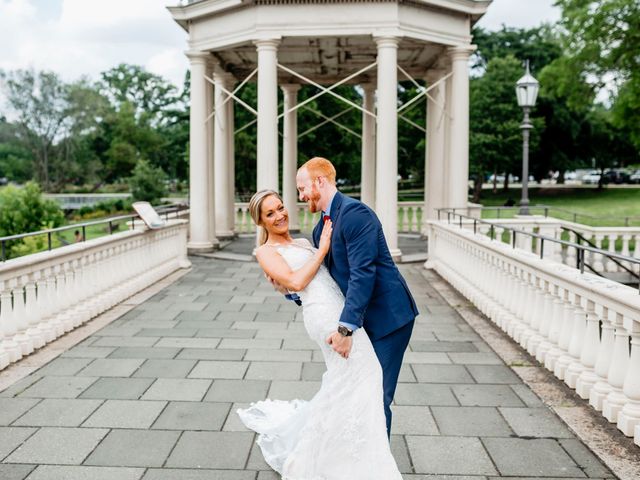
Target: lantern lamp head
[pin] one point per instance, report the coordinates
(527, 89)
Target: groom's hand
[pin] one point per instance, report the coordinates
(342, 345)
(276, 285)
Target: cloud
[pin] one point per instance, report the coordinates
(87, 37)
(519, 13)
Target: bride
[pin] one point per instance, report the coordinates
(341, 433)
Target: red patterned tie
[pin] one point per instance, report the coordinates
(325, 218)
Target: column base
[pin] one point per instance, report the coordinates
(628, 418)
(598, 394)
(573, 372)
(551, 357)
(561, 366)
(585, 383)
(636, 438)
(543, 350)
(202, 247)
(225, 235)
(613, 404)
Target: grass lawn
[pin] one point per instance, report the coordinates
(607, 207)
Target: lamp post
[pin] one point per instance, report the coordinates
(527, 92)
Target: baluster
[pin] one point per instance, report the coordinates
(5, 307)
(550, 355)
(636, 251)
(526, 311)
(535, 315)
(589, 354)
(19, 313)
(616, 398)
(32, 313)
(542, 337)
(598, 263)
(610, 264)
(629, 416)
(602, 388)
(8, 324)
(42, 309)
(566, 336)
(577, 341)
(570, 254)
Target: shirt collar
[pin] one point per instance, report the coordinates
(328, 212)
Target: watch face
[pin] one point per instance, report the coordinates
(344, 331)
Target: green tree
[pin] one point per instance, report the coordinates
(148, 182)
(496, 140)
(603, 41)
(539, 45)
(150, 94)
(39, 100)
(25, 210)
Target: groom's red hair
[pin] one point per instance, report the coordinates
(321, 167)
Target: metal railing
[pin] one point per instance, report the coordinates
(547, 210)
(580, 249)
(165, 210)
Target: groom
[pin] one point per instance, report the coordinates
(376, 296)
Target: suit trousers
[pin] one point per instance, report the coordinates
(390, 351)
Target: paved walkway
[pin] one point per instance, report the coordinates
(153, 395)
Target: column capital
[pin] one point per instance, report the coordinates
(267, 43)
(461, 52)
(197, 56)
(386, 41)
(289, 88)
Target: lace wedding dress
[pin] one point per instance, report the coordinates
(341, 433)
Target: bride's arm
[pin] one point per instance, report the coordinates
(277, 268)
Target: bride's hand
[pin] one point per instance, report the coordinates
(325, 238)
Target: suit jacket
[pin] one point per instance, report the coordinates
(376, 296)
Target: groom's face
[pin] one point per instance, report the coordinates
(308, 190)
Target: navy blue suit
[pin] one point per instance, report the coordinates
(377, 298)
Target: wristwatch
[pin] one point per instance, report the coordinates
(344, 331)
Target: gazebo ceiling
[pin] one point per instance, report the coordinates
(330, 59)
(328, 40)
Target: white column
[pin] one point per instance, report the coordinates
(290, 154)
(387, 141)
(199, 220)
(459, 144)
(368, 176)
(211, 200)
(232, 158)
(221, 155)
(434, 170)
(267, 114)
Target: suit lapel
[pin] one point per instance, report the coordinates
(335, 219)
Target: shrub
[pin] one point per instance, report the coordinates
(148, 183)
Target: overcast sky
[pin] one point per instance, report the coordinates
(85, 37)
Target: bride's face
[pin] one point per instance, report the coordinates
(274, 215)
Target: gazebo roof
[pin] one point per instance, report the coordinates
(327, 40)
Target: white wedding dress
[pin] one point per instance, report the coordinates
(341, 433)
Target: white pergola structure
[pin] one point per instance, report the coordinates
(326, 43)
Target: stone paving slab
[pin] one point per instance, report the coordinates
(153, 395)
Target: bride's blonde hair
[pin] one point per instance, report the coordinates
(255, 208)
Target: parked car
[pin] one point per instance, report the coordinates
(593, 177)
(635, 177)
(616, 176)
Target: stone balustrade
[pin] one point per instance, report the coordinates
(410, 219)
(583, 328)
(46, 294)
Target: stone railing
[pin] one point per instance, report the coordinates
(410, 217)
(44, 295)
(615, 240)
(578, 325)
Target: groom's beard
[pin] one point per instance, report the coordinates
(314, 199)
